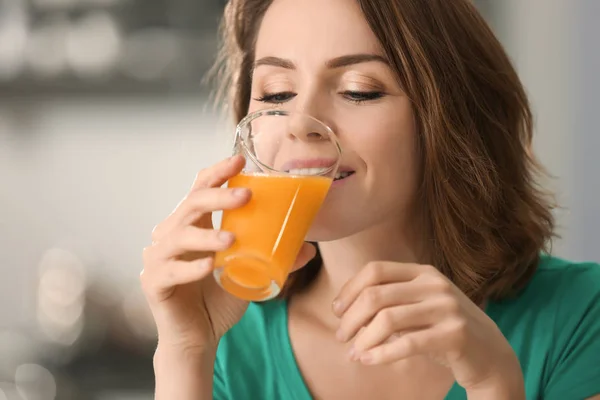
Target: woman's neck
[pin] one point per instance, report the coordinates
(344, 258)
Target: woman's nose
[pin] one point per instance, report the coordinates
(307, 121)
(306, 128)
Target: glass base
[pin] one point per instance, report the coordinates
(247, 278)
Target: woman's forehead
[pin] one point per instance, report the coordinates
(305, 30)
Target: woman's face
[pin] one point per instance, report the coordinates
(320, 57)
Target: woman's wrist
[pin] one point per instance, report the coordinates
(501, 387)
(184, 354)
(183, 373)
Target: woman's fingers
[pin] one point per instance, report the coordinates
(189, 239)
(393, 320)
(158, 283)
(192, 239)
(201, 203)
(219, 173)
(208, 201)
(373, 274)
(404, 346)
(372, 300)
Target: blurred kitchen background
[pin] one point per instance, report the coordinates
(104, 122)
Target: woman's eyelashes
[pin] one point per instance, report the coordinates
(276, 98)
(356, 97)
(361, 97)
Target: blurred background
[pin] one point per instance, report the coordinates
(104, 123)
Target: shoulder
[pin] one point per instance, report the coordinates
(574, 302)
(574, 281)
(552, 264)
(574, 290)
(554, 327)
(557, 276)
(561, 293)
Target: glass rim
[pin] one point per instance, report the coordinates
(275, 112)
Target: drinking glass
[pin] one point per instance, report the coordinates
(291, 161)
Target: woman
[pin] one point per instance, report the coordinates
(431, 282)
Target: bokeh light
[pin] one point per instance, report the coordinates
(61, 296)
(93, 45)
(45, 51)
(35, 382)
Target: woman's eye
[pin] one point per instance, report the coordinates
(360, 97)
(276, 98)
(353, 96)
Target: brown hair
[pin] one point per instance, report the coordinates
(487, 216)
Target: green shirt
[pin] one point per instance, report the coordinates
(553, 326)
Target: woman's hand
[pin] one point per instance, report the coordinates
(190, 310)
(393, 311)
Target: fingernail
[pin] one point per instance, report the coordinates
(352, 353)
(240, 192)
(206, 264)
(366, 358)
(337, 306)
(225, 237)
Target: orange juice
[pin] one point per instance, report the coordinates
(269, 230)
